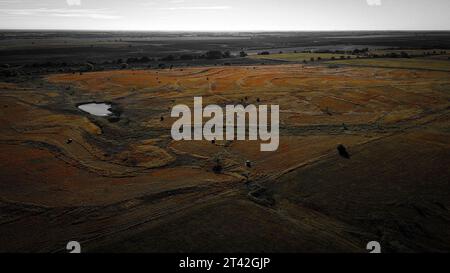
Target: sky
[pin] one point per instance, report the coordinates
(226, 15)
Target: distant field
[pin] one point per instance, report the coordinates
(300, 57)
(437, 57)
(408, 51)
(442, 65)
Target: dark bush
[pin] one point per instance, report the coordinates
(132, 60)
(392, 55)
(404, 55)
(217, 168)
(213, 54)
(168, 58)
(343, 151)
(186, 57)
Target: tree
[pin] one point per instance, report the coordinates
(214, 54)
(242, 54)
(404, 54)
(186, 57)
(168, 58)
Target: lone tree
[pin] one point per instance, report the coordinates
(242, 54)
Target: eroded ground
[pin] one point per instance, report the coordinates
(122, 184)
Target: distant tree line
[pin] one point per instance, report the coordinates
(208, 55)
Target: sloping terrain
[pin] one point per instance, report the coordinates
(122, 184)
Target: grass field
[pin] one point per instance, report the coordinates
(129, 177)
(429, 64)
(412, 52)
(300, 57)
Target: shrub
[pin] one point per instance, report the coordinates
(89, 67)
(242, 54)
(214, 54)
(343, 151)
(168, 58)
(186, 57)
(227, 54)
(217, 168)
(404, 54)
(132, 60)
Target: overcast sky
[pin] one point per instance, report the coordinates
(205, 15)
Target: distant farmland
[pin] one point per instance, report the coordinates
(424, 64)
(300, 57)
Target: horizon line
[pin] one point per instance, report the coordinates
(223, 31)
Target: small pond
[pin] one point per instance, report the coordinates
(96, 109)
